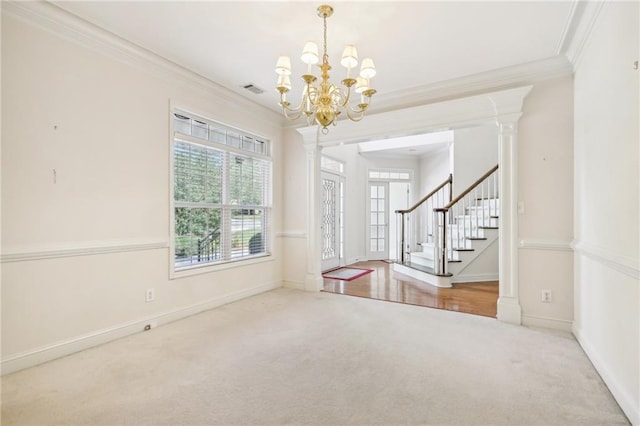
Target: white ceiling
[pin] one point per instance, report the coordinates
(414, 44)
(407, 146)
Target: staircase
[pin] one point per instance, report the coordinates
(455, 233)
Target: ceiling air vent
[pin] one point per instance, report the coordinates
(253, 89)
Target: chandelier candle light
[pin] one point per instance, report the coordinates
(322, 103)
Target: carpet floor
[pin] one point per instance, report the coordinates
(291, 357)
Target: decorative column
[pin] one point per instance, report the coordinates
(509, 309)
(508, 110)
(313, 277)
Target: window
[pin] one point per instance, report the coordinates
(221, 193)
(389, 175)
(328, 163)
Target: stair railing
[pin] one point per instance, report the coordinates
(422, 228)
(464, 219)
(209, 246)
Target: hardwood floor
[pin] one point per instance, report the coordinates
(384, 284)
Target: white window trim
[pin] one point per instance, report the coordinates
(385, 170)
(228, 264)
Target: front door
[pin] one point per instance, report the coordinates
(330, 221)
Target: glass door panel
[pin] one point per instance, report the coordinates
(378, 202)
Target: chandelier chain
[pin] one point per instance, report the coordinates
(325, 57)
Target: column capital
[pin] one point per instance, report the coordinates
(309, 135)
(312, 148)
(508, 121)
(509, 102)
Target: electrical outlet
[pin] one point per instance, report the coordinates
(150, 295)
(545, 296)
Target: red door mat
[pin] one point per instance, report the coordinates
(346, 274)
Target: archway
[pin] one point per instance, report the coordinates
(503, 108)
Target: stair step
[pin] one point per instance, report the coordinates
(422, 259)
(420, 267)
(463, 249)
(476, 238)
(487, 227)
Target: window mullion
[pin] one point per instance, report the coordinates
(226, 235)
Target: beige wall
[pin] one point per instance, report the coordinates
(606, 202)
(545, 187)
(102, 124)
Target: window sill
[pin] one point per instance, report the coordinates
(206, 269)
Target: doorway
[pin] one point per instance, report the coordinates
(502, 107)
(387, 192)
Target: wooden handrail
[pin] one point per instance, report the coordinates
(426, 197)
(466, 191)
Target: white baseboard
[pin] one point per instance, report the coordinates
(296, 285)
(356, 259)
(545, 322)
(509, 310)
(474, 278)
(77, 344)
(630, 406)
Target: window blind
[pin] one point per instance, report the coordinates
(221, 193)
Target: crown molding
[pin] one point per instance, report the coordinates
(583, 19)
(64, 24)
(68, 26)
(569, 28)
(462, 112)
(503, 78)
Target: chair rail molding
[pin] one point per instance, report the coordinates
(37, 252)
(544, 244)
(624, 264)
(292, 234)
(501, 108)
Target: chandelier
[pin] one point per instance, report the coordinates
(323, 102)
